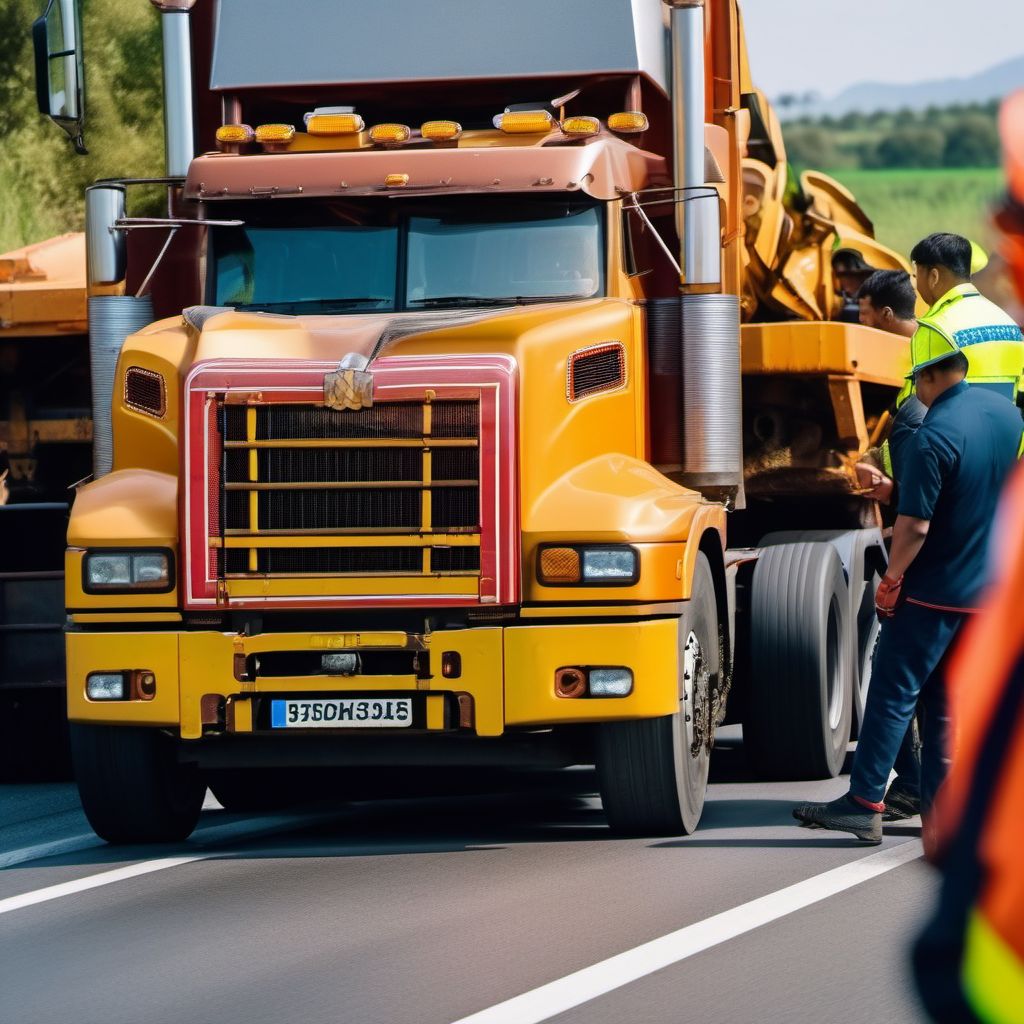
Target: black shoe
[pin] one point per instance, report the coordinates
(842, 815)
(901, 803)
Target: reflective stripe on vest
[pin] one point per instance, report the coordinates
(993, 976)
(968, 320)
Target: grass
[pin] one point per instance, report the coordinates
(907, 205)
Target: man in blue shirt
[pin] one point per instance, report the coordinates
(955, 468)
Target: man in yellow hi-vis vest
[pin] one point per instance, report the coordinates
(961, 318)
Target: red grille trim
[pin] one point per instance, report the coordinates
(491, 378)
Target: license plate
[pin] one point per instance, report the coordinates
(341, 713)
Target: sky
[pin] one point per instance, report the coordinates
(844, 42)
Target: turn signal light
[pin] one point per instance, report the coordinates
(396, 180)
(143, 684)
(570, 683)
(559, 565)
(525, 122)
(441, 131)
(628, 122)
(234, 135)
(580, 126)
(334, 124)
(390, 134)
(275, 133)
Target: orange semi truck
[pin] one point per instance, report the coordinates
(478, 402)
(45, 447)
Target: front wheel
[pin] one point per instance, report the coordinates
(133, 789)
(653, 773)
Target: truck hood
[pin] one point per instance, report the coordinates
(220, 333)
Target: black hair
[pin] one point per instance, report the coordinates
(854, 260)
(892, 288)
(945, 250)
(954, 363)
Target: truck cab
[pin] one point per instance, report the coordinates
(427, 416)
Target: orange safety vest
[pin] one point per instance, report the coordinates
(971, 956)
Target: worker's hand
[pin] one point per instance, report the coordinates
(888, 597)
(873, 482)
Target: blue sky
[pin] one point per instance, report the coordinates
(843, 42)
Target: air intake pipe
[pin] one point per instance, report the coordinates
(712, 438)
(179, 129)
(112, 316)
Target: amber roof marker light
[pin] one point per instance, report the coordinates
(328, 123)
(628, 122)
(524, 122)
(390, 134)
(440, 131)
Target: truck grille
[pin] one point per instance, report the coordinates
(304, 501)
(310, 470)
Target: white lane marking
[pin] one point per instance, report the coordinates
(75, 844)
(251, 828)
(54, 892)
(582, 986)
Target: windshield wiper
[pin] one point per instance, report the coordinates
(310, 305)
(492, 300)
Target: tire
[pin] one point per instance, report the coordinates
(254, 789)
(800, 699)
(867, 637)
(132, 787)
(653, 773)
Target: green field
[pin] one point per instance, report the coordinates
(907, 205)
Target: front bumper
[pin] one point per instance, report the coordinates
(506, 679)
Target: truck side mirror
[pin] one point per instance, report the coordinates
(60, 75)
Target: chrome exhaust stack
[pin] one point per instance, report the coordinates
(179, 127)
(712, 430)
(112, 314)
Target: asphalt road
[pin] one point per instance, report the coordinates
(436, 910)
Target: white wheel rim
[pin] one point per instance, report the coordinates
(693, 665)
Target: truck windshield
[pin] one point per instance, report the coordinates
(417, 255)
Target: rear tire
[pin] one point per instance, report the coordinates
(800, 700)
(868, 628)
(653, 773)
(132, 787)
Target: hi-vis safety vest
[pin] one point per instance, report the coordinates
(964, 320)
(969, 961)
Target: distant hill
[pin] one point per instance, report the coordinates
(868, 97)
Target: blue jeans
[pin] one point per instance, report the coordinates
(908, 676)
(908, 763)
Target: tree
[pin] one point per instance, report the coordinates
(43, 179)
(912, 147)
(972, 141)
(811, 147)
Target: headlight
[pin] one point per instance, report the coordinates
(105, 686)
(608, 565)
(126, 570)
